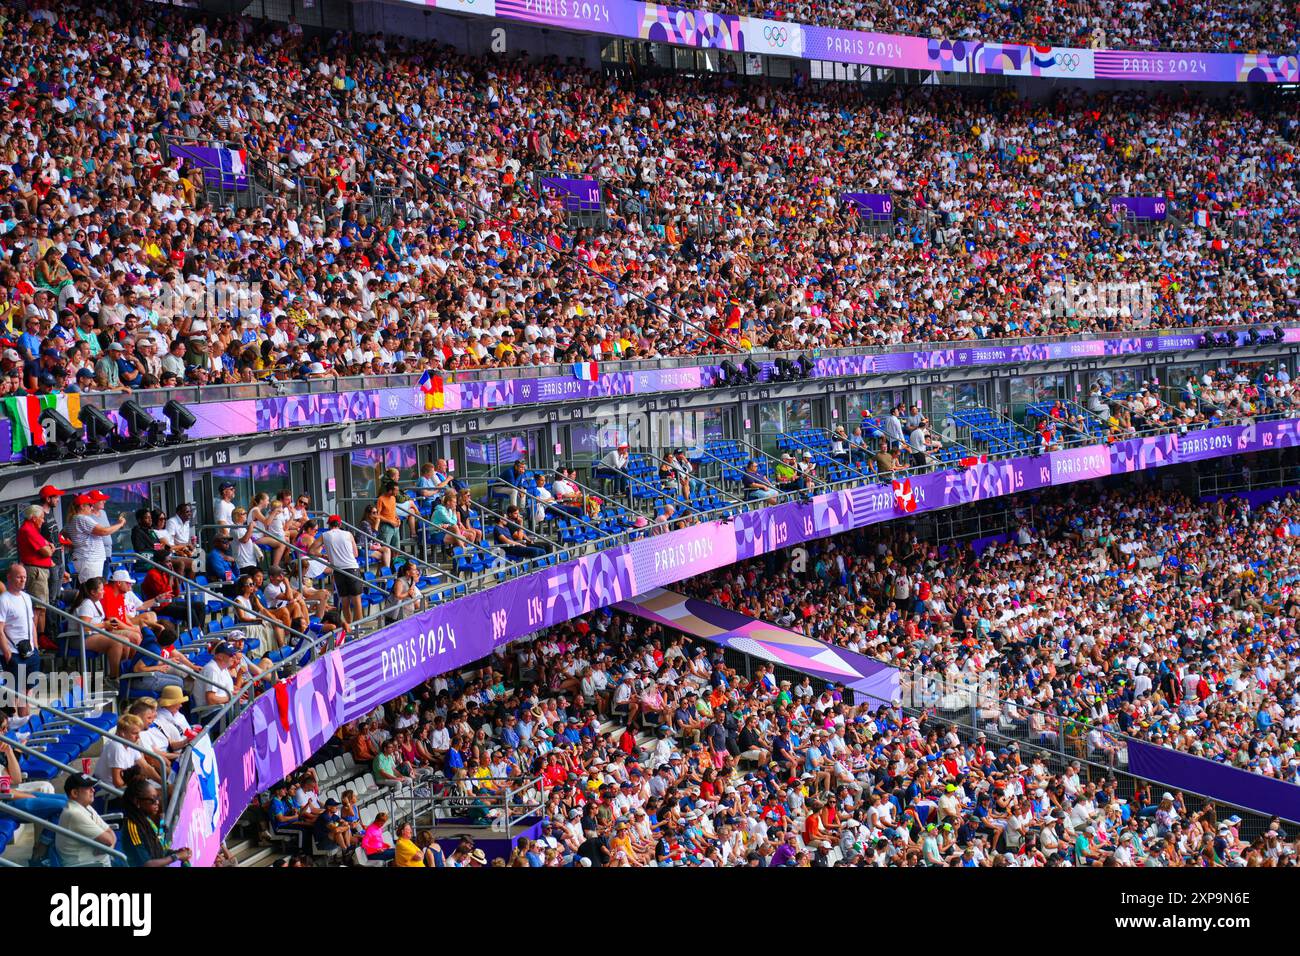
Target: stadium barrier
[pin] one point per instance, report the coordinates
(466, 391)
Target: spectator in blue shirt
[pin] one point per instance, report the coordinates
(512, 479)
(221, 568)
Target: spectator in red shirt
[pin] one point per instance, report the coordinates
(37, 555)
(159, 588)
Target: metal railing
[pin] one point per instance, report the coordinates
(498, 803)
(268, 389)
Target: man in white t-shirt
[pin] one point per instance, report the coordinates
(225, 507)
(80, 817)
(217, 685)
(21, 658)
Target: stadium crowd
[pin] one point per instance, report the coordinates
(1141, 613)
(1233, 26)
(725, 230)
(645, 749)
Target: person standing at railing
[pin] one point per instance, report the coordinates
(513, 480)
(339, 548)
(390, 525)
(85, 533)
(36, 552)
(247, 554)
(224, 508)
(893, 426)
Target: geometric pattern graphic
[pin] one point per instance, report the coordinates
(767, 641)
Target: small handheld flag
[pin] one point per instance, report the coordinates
(432, 387)
(904, 496)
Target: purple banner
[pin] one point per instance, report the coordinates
(223, 782)
(259, 748)
(689, 27)
(1242, 788)
(223, 168)
(1149, 208)
(580, 195)
(871, 205)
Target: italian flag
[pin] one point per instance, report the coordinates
(24, 411)
(586, 371)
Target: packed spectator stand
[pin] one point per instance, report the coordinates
(1125, 612)
(640, 747)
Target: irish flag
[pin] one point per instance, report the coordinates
(586, 371)
(432, 387)
(24, 411)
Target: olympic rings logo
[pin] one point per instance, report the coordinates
(777, 36)
(1068, 61)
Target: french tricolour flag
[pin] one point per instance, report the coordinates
(1201, 218)
(586, 371)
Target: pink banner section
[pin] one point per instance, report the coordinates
(769, 642)
(691, 27)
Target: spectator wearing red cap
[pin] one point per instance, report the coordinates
(87, 536)
(49, 502)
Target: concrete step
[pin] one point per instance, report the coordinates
(260, 856)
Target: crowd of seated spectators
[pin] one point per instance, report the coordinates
(1136, 612)
(724, 227)
(1235, 26)
(171, 636)
(642, 748)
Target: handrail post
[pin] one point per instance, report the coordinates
(229, 602)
